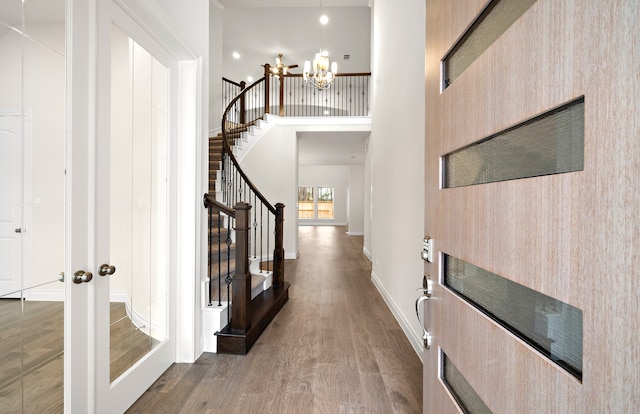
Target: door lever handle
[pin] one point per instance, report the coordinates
(427, 290)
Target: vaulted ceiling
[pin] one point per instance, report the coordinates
(260, 29)
(293, 3)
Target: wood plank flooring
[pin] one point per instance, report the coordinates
(32, 349)
(334, 348)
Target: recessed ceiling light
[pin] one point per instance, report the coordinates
(249, 78)
(236, 55)
(324, 19)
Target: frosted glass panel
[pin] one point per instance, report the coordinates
(490, 24)
(466, 397)
(551, 143)
(552, 327)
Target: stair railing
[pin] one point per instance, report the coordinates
(237, 204)
(287, 95)
(239, 214)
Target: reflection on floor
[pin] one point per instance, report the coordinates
(31, 349)
(31, 345)
(128, 343)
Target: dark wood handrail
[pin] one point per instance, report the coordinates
(210, 201)
(229, 151)
(238, 84)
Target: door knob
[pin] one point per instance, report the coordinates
(18, 230)
(82, 276)
(105, 270)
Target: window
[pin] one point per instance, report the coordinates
(306, 209)
(325, 203)
(319, 207)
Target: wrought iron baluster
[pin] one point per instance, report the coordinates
(229, 278)
(209, 240)
(219, 259)
(261, 238)
(255, 226)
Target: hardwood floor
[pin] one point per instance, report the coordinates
(334, 348)
(32, 349)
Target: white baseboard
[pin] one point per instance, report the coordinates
(367, 253)
(45, 295)
(320, 223)
(355, 233)
(416, 340)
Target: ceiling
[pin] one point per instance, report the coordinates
(332, 148)
(292, 3)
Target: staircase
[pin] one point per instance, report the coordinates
(227, 282)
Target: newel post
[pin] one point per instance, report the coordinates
(241, 284)
(278, 252)
(243, 85)
(267, 87)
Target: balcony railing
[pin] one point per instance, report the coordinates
(288, 95)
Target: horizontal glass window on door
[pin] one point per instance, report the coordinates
(551, 326)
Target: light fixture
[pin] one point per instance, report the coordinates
(280, 69)
(320, 74)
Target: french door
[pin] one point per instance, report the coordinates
(121, 334)
(532, 195)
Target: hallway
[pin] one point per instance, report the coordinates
(334, 348)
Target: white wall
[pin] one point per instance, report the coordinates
(272, 163)
(215, 66)
(356, 200)
(336, 176)
(396, 154)
(367, 200)
(272, 166)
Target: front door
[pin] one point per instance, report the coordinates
(532, 199)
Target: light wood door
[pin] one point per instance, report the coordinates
(571, 236)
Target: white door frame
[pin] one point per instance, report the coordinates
(24, 117)
(88, 119)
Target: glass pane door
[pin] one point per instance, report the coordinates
(138, 214)
(32, 184)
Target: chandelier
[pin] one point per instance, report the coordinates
(321, 77)
(317, 74)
